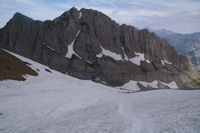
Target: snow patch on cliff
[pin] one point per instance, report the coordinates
(162, 62)
(99, 55)
(165, 61)
(125, 56)
(110, 54)
(49, 47)
(80, 15)
(71, 51)
(138, 58)
(148, 61)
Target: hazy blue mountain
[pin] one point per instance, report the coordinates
(185, 44)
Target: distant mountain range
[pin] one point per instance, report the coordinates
(86, 43)
(185, 44)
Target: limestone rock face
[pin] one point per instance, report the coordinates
(86, 42)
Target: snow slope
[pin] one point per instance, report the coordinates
(57, 103)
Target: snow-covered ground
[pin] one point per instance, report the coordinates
(57, 103)
(132, 86)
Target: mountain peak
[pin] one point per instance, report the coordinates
(18, 14)
(97, 45)
(71, 12)
(73, 9)
(20, 17)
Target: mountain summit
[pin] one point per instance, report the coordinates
(85, 42)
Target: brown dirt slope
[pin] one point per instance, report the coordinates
(13, 68)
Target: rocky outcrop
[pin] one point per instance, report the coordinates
(86, 42)
(13, 68)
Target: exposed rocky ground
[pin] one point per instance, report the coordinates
(13, 68)
(86, 42)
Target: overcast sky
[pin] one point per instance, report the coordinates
(181, 16)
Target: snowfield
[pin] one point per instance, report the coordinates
(57, 103)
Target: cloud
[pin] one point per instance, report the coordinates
(27, 2)
(142, 12)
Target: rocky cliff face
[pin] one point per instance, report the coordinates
(86, 42)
